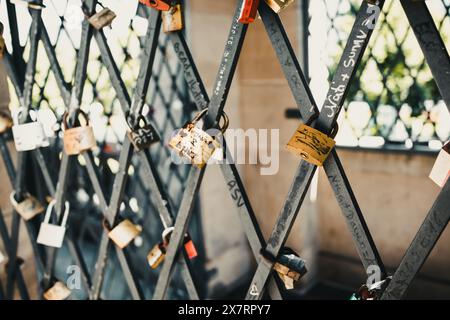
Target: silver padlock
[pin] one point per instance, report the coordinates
(52, 235)
(28, 136)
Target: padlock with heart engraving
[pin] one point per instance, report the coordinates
(143, 134)
(194, 144)
(58, 291)
(290, 268)
(172, 20)
(78, 139)
(28, 136)
(156, 4)
(441, 168)
(249, 10)
(2, 42)
(52, 235)
(123, 233)
(28, 208)
(102, 19)
(278, 5)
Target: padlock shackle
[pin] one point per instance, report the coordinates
(78, 112)
(50, 207)
(202, 113)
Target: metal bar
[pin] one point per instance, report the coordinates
(19, 62)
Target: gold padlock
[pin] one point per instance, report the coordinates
(172, 20)
(196, 145)
(124, 233)
(28, 208)
(311, 144)
(78, 139)
(278, 5)
(102, 19)
(58, 291)
(156, 255)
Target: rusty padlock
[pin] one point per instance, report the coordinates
(58, 291)
(278, 5)
(102, 19)
(123, 233)
(28, 208)
(172, 20)
(78, 139)
(143, 134)
(194, 144)
(249, 11)
(156, 4)
(441, 168)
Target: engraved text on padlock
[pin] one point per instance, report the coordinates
(143, 135)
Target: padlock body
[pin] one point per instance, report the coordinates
(311, 144)
(29, 208)
(5, 123)
(51, 235)
(172, 20)
(143, 138)
(29, 136)
(156, 4)
(156, 256)
(102, 19)
(191, 251)
(79, 139)
(441, 168)
(248, 12)
(195, 145)
(278, 5)
(58, 291)
(124, 233)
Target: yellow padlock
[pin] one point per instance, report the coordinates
(124, 233)
(196, 145)
(78, 139)
(172, 20)
(311, 144)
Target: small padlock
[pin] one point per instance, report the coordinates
(124, 233)
(6, 122)
(156, 4)
(372, 291)
(28, 208)
(156, 255)
(102, 19)
(28, 136)
(278, 5)
(58, 291)
(52, 235)
(78, 139)
(194, 144)
(311, 144)
(143, 135)
(172, 20)
(189, 246)
(249, 11)
(441, 168)
(290, 267)
(2, 42)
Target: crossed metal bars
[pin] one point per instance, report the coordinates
(354, 50)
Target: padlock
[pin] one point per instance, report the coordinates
(6, 122)
(28, 208)
(189, 246)
(372, 291)
(58, 291)
(2, 42)
(102, 19)
(156, 4)
(52, 235)
(172, 20)
(441, 168)
(124, 233)
(311, 144)
(78, 139)
(194, 144)
(143, 135)
(248, 12)
(290, 267)
(278, 5)
(156, 255)
(28, 136)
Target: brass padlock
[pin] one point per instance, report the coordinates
(290, 267)
(156, 256)
(249, 11)
(28, 208)
(172, 20)
(102, 19)
(311, 144)
(78, 139)
(194, 144)
(278, 5)
(58, 291)
(143, 135)
(441, 168)
(124, 233)
(2, 42)
(156, 4)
